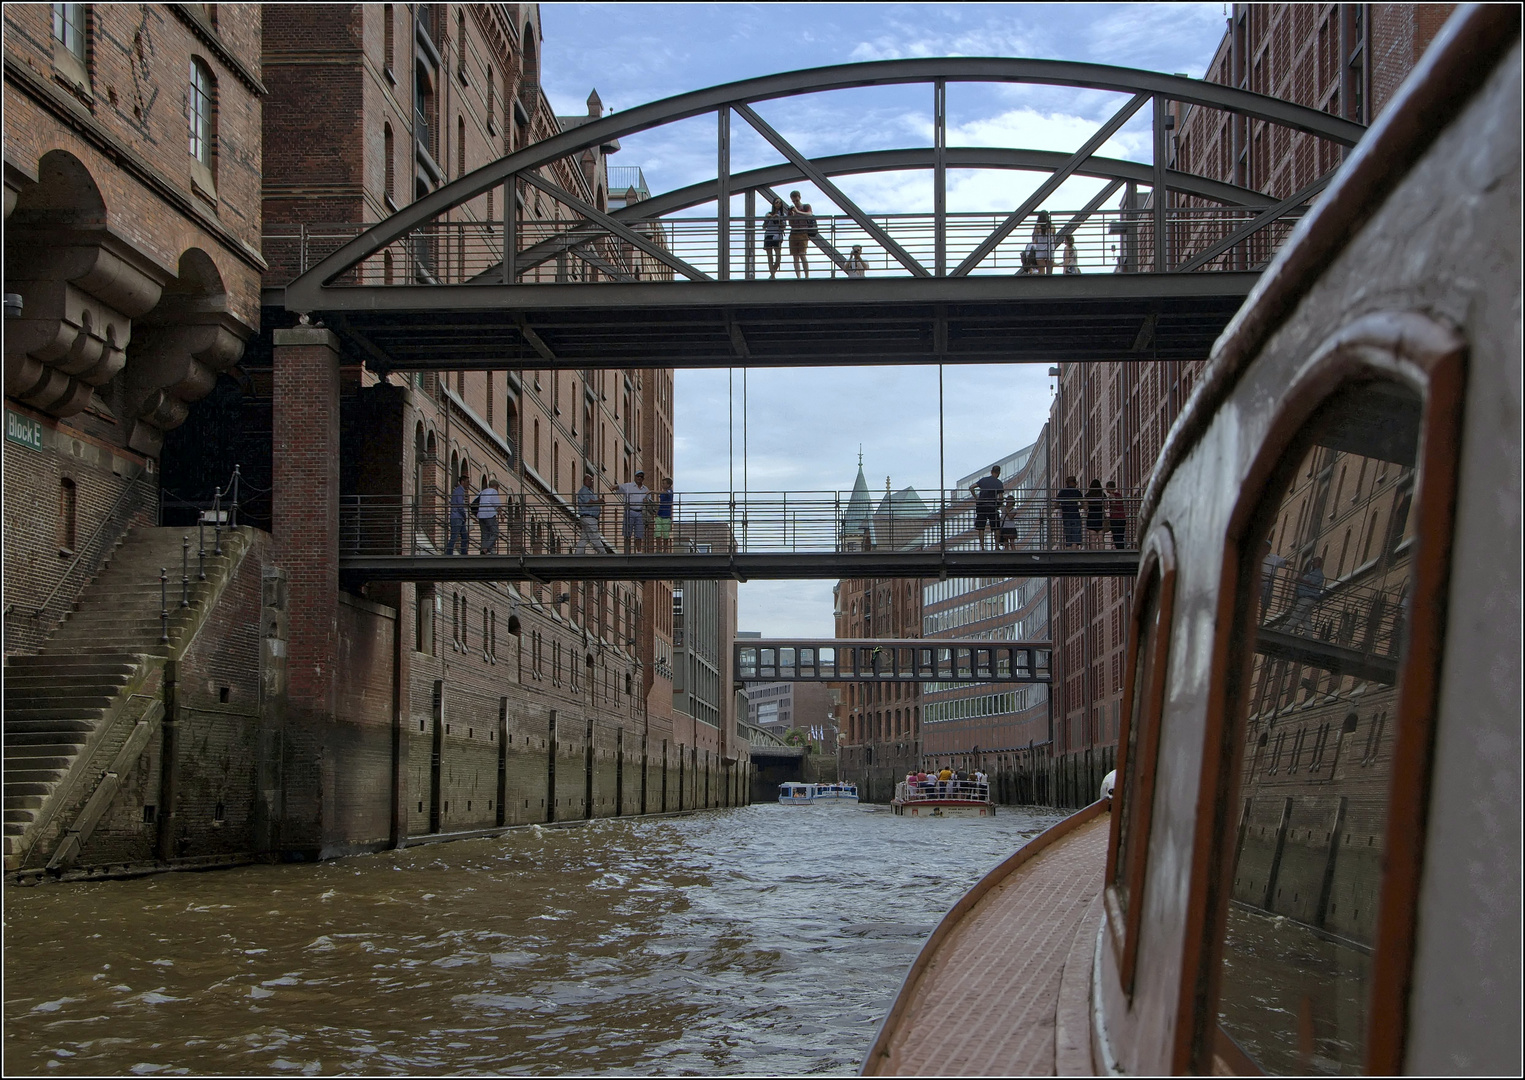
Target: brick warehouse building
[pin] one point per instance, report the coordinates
(366, 716)
(135, 252)
(1109, 420)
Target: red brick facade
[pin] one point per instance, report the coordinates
(138, 268)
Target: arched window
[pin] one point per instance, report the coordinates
(68, 515)
(388, 40)
(1313, 876)
(389, 160)
(424, 622)
(201, 113)
(460, 146)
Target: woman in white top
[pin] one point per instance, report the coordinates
(856, 266)
(1043, 243)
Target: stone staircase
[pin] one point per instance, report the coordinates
(74, 707)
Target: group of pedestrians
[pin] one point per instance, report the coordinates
(799, 223)
(645, 515)
(1104, 508)
(948, 783)
(484, 506)
(1046, 249)
(645, 519)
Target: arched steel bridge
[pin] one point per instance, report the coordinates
(441, 285)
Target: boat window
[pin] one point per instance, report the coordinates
(1133, 794)
(1308, 823)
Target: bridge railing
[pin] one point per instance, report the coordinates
(1348, 618)
(771, 522)
(943, 791)
(453, 252)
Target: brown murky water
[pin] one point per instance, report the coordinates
(765, 939)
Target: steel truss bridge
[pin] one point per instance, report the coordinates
(906, 660)
(658, 283)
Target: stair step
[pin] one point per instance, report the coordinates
(18, 788)
(29, 688)
(13, 828)
(57, 749)
(122, 656)
(63, 696)
(38, 720)
(17, 819)
(23, 802)
(25, 766)
(53, 740)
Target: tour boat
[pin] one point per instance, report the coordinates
(797, 794)
(952, 798)
(1309, 860)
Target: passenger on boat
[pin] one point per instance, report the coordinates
(944, 780)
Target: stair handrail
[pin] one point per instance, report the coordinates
(100, 530)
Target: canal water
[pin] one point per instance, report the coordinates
(763, 939)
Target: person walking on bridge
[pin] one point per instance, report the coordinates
(987, 491)
(633, 493)
(801, 228)
(458, 530)
(488, 502)
(773, 236)
(1043, 243)
(590, 506)
(1067, 499)
(1117, 514)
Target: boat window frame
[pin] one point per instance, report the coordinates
(1157, 568)
(1427, 357)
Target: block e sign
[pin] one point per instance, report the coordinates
(23, 430)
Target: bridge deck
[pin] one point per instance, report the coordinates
(761, 567)
(841, 322)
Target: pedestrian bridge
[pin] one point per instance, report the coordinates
(916, 660)
(737, 535)
(677, 278)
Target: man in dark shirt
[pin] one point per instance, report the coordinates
(457, 519)
(1068, 500)
(987, 491)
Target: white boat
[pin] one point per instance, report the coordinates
(948, 798)
(797, 794)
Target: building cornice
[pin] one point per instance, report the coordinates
(69, 110)
(208, 37)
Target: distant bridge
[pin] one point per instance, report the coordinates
(905, 660)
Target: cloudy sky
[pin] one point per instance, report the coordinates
(805, 426)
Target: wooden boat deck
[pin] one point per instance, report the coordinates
(1003, 986)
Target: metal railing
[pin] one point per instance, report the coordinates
(772, 522)
(134, 499)
(1105, 242)
(964, 791)
(1348, 620)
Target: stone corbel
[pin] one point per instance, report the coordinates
(80, 291)
(176, 362)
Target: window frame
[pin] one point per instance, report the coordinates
(1123, 926)
(1428, 358)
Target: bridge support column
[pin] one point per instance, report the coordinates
(305, 523)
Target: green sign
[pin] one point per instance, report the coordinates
(23, 430)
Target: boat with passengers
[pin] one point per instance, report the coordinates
(797, 794)
(942, 798)
(1309, 859)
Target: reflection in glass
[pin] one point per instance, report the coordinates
(1143, 692)
(1330, 605)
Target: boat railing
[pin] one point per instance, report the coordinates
(943, 791)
